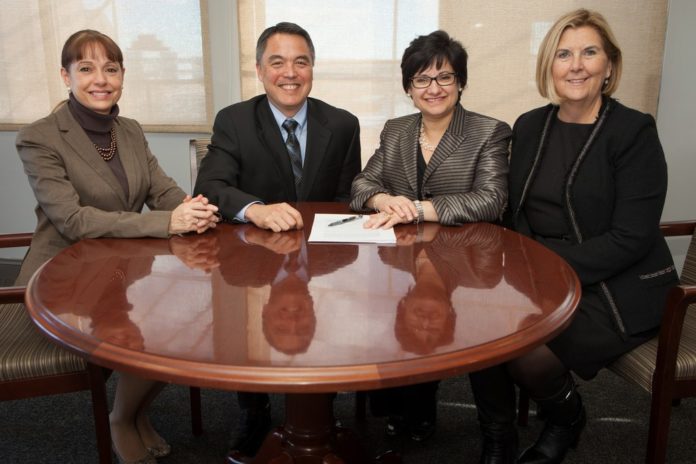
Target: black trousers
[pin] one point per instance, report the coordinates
(416, 402)
(252, 400)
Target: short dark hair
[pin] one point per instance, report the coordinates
(77, 44)
(282, 28)
(434, 48)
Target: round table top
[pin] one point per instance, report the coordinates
(246, 309)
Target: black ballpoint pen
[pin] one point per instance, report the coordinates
(343, 221)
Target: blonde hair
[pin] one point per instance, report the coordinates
(547, 51)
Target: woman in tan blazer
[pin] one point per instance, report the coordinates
(443, 164)
(92, 173)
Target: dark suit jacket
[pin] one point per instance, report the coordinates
(247, 160)
(465, 178)
(613, 198)
(78, 195)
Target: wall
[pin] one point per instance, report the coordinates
(676, 119)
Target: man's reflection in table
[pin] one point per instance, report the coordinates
(288, 317)
(286, 264)
(253, 258)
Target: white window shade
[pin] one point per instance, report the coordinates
(167, 81)
(359, 46)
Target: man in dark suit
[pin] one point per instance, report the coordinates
(249, 171)
(274, 149)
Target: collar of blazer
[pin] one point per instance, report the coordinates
(83, 147)
(318, 137)
(449, 143)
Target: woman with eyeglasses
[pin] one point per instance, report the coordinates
(442, 164)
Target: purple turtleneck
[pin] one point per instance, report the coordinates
(97, 127)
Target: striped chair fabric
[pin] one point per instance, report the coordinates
(666, 365)
(638, 365)
(25, 353)
(198, 148)
(31, 365)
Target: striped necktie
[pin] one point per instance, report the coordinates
(293, 146)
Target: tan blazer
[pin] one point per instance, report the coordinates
(77, 193)
(466, 178)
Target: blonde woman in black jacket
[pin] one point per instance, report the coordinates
(587, 179)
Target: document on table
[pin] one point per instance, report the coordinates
(347, 232)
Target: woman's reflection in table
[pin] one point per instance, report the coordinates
(100, 294)
(440, 259)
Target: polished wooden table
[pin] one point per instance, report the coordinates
(240, 308)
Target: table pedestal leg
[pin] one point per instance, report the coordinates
(310, 436)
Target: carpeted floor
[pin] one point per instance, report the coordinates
(60, 430)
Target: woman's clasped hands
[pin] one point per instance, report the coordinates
(392, 209)
(196, 252)
(193, 214)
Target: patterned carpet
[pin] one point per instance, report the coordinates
(59, 429)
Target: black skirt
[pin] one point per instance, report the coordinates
(592, 341)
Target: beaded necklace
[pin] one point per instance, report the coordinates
(425, 144)
(108, 153)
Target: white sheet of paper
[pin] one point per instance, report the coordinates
(349, 232)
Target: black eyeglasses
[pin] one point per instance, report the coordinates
(444, 79)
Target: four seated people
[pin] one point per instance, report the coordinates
(586, 177)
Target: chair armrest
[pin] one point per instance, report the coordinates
(12, 294)
(675, 228)
(15, 240)
(679, 299)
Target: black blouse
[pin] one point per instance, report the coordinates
(544, 205)
(420, 167)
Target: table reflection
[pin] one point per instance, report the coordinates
(93, 287)
(440, 259)
(286, 264)
(241, 296)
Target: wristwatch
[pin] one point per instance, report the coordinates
(419, 209)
